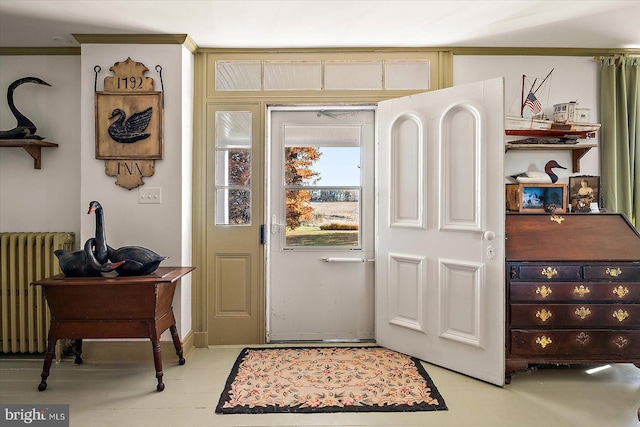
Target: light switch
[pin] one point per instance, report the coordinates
(150, 195)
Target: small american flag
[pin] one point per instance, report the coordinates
(533, 104)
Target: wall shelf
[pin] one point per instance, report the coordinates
(31, 146)
(566, 142)
(577, 150)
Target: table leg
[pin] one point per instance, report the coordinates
(157, 360)
(78, 347)
(48, 358)
(177, 344)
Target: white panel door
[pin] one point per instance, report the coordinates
(440, 228)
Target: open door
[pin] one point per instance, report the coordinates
(440, 228)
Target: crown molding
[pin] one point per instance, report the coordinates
(39, 50)
(541, 51)
(182, 39)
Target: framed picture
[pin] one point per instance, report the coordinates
(536, 197)
(129, 125)
(583, 191)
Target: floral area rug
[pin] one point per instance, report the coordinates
(327, 379)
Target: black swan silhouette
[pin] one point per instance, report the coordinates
(25, 128)
(131, 260)
(132, 129)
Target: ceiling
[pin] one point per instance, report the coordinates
(330, 23)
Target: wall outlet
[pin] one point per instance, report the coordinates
(150, 195)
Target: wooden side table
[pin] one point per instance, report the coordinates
(112, 307)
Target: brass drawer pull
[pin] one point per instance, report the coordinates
(582, 338)
(543, 291)
(581, 291)
(620, 291)
(543, 341)
(621, 341)
(549, 272)
(620, 315)
(613, 272)
(543, 315)
(582, 312)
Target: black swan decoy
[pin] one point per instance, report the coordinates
(102, 267)
(137, 260)
(25, 128)
(100, 233)
(131, 129)
(79, 263)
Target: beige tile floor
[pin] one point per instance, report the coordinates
(123, 394)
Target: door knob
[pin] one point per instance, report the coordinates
(489, 235)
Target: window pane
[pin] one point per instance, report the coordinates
(233, 167)
(233, 129)
(406, 75)
(295, 75)
(325, 166)
(353, 75)
(237, 75)
(233, 206)
(323, 217)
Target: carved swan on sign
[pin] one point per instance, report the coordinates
(132, 129)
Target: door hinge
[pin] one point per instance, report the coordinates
(262, 242)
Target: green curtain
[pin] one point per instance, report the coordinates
(620, 136)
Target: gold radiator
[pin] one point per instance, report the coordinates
(25, 258)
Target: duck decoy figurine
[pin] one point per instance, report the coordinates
(25, 128)
(132, 129)
(537, 177)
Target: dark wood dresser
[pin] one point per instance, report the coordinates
(573, 290)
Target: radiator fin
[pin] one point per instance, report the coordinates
(25, 258)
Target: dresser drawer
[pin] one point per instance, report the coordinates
(612, 272)
(576, 343)
(576, 315)
(576, 291)
(547, 272)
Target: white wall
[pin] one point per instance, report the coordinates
(45, 199)
(573, 78)
(164, 228)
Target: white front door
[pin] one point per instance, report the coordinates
(440, 228)
(320, 226)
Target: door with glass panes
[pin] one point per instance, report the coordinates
(235, 296)
(321, 224)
